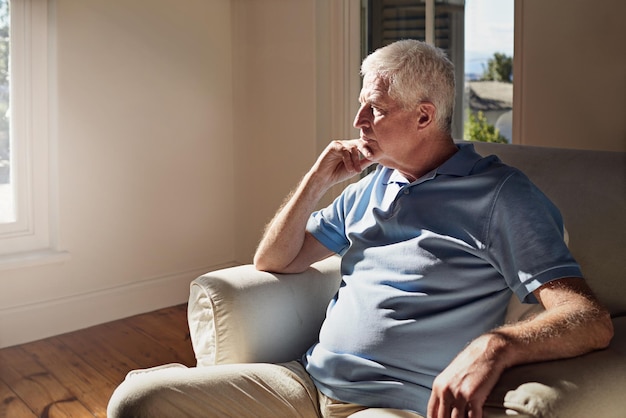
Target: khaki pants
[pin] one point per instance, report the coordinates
(238, 390)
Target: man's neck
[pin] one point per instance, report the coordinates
(434, 154)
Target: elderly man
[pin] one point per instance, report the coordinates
(433, 242)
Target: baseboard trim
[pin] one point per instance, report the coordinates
(34, 321)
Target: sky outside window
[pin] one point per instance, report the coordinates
(488, 29)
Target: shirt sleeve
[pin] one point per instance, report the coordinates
(328, 225)
(525, 238)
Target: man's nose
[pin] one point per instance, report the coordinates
(360, 119)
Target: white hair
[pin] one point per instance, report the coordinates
(416, 72)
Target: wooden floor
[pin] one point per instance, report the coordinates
(73, 375)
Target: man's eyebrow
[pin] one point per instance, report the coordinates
(372, 98)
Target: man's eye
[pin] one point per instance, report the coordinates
(377, 111)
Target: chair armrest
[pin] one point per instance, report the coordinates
(591, 385)
(242, 315)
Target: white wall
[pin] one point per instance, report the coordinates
(145, 156)
(274, 66)
(296, 84)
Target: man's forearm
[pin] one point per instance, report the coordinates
(573, 324)
(560, 332)
(286, 247)
(285, 234)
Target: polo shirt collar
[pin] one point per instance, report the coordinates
(460, 164)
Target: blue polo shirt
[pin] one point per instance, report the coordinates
(427, 267)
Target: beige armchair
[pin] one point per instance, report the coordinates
(242, 315)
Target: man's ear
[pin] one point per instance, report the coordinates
(425, 114)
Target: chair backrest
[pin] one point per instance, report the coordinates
(589, 187)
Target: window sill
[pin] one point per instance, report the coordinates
(33, 258)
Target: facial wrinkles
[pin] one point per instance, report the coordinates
(376, 105)
(375, 93)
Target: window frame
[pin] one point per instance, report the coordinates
(32, 238)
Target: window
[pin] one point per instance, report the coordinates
(7, 200)
(27, 219)
(438, 22)
(489, 65)
(470, 31)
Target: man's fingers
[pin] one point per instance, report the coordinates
(474, 410)
(433, 406)
(364, 150)
(458, 410)
(352, 157)
(349, 163)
